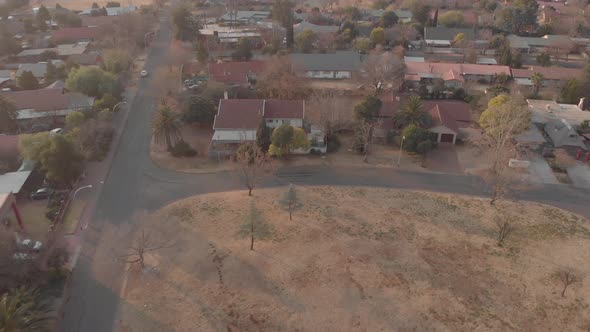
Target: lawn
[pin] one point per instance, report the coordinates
(33, 215)
(362, 259)
(73, 215)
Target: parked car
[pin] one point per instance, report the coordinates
(32, 245)
(143, 73)
(56, 131)
(42, 193)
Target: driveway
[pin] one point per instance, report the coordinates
(580, 175)
(540, 172)
(444, 159)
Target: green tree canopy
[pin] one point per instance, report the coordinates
(413, 114)
(368, 108)
(282, 11)
(23, 309)
(286, 139)
(572, 91)
(378, 36)
(243, 50)
(28, 81)
(388, 19)
(414, 137)
(43, 15)
(166, 128)
(93, 82)
(8, 115)
(305, 40)
(263, 136)
(452, 19)
(62, 162)
(74, 120)
(517, 18)
(544, 59)
(107, 101)
(200, 110)
(362, 44)
(419, 9)
(185, 26)
(55, 73)
(117, 61)
(504, 116)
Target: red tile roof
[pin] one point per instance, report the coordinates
(234, 72)
(451, 114)
(8, 147)
(440, 68)
(284, 109)
(239, 114)
(549, 73)
(42, 100)
(75, 34)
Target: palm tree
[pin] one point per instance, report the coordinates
(413, 113)
(537, 80)
(22, 310)
(166, 128)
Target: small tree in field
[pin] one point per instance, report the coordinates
(251, 162)
(255, 226)
(141, 246)
(504, 229)
(290, 200)
(566, 277)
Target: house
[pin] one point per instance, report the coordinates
(403, 16)
(563, 135)
(451, 119)
(235, 72)
(453, 75)
(244, 17)
(552, 76)
(99, 21)
(87, 59)
(63, 51)
(544, 111)
(443, 37)
(9, 147)
(337, 65)
(237, 121)
(75, 34)
(47, 107)
(546, 43)
(39, 70)
(8, 206)
(6, 78)
(318, 29)
(110, 11)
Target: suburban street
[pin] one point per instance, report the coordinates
(136, 184)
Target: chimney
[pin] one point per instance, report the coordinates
(225, 95)
(582, 103)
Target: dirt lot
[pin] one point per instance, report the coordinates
(85, 4)
(360, 259)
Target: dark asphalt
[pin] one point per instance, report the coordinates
(136, 184)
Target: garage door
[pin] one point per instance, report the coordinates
(447, 138)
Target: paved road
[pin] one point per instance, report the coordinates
(135, 184)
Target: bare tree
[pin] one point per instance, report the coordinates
(251, 163)
(566, 277)
(504, 118)
(504, 229)
(330, 110)
(364, 134)
(382, 70)
(141, 246)
(279, 80)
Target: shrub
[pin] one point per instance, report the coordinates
(585, 124)
(333, 143)
(424, 146)
(182, 149)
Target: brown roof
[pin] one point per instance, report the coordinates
(88, 59)
(284, 109)
(8, 147)
(75, 34)
(239, 114)
(42, 100)
(234, 71)
(451, 114)
(549, 73)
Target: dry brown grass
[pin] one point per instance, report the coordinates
(361, 259)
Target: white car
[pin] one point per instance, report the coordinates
(143, 73)
(56, 131)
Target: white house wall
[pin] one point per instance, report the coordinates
(273, 123)
(234, 135)
(328, 74)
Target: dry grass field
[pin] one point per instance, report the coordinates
(360, 259)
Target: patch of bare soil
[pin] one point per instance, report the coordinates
(362, 259)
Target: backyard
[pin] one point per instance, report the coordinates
(358, 259)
